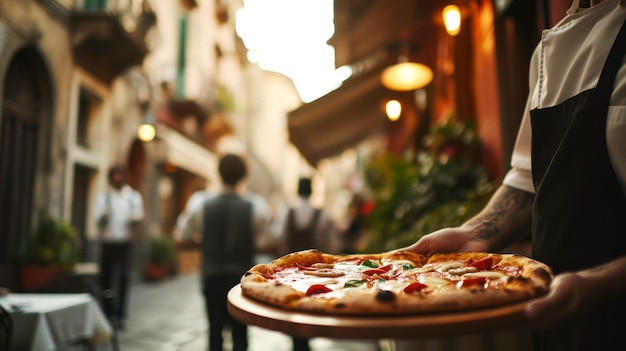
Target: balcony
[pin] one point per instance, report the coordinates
(108, 37)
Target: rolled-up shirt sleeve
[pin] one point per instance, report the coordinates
(520, 175)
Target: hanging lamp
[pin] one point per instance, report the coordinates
(406, 75)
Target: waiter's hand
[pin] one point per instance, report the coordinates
(458, 239)
(565, 296)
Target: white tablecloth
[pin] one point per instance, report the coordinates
(43, 322)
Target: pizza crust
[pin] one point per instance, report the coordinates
(261, 283)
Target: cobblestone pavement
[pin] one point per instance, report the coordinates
(169, 316)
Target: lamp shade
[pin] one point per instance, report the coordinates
(406, 76)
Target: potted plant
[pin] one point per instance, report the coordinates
(50, 251)
(161, 257)
(441, 186)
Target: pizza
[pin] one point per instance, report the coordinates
(399, 282)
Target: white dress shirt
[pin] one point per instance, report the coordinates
(122, 206)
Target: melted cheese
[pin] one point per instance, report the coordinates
(392, 285)
(306, 282)
(485, 274)
(438, 276)
(433, 281)
(350, 267)
(399, 262)
(446, 266)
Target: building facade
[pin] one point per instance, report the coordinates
(61, 125)
(77, 79)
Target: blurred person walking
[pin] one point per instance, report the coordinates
(119, 214)
(226, 223)
(307, 227)
(197, 199)
(352, 233)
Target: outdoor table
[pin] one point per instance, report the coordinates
(43, 322)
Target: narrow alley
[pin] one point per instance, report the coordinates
(169, 316)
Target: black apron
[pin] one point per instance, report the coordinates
(579, 215)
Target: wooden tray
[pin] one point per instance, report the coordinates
(302, 324)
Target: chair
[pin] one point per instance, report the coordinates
(6, 329)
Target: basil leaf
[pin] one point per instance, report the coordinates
(407, 266)
(353, 283)
(370, 263)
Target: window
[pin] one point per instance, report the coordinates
(88, 106)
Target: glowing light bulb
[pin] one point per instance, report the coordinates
(393, 109)
(452, 19)
(146, 132)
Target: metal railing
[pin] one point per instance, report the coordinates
(136, 16)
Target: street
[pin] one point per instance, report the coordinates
(169, 316)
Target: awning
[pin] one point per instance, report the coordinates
(185, 153)
(340, 119)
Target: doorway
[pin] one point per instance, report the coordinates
(25, 106)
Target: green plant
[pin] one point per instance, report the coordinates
(52, 242)
(162, 250)
(440, 187)
(225, 99)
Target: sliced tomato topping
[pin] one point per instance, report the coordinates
(467, 282)
(413, 287)
(509, 270)
(317, 289)
(374, 271)
(386, 267)
(385, 270)
(380, 270)
(484, 264)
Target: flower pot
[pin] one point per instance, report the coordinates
(35, 277)
(156, 271)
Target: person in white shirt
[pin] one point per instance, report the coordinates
(567, 186)
(118, 212)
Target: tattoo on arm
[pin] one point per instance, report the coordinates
(506, 218)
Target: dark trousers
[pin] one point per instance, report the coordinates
(115, 264)
(300, 344)
(215, 290)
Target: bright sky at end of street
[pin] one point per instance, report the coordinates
(290, 37)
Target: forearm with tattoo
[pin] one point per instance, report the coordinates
(506, 219)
